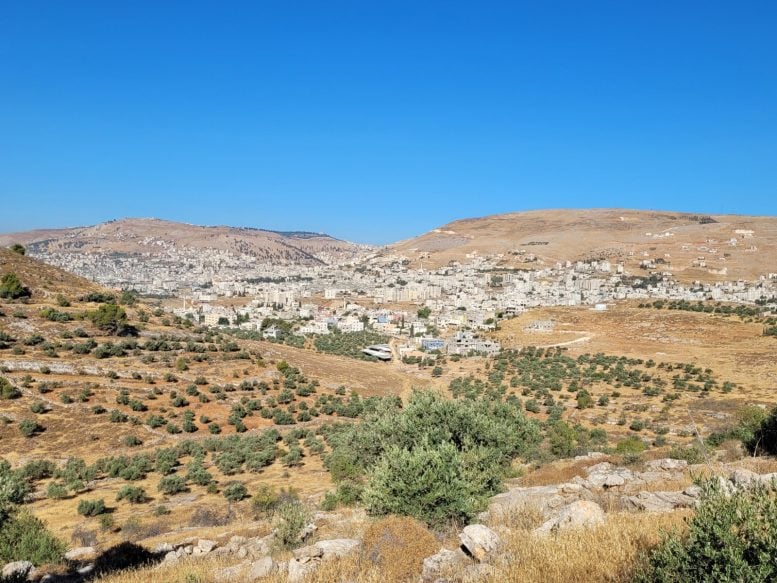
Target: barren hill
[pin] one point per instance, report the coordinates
(692, 246)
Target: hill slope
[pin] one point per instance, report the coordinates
(691, 246)
(41, 278)
(157, 255)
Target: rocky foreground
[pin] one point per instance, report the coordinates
(582, 502)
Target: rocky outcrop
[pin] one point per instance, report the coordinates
(479, 541)
(442, 562)
(580, 514)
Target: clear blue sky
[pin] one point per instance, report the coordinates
(377, 120)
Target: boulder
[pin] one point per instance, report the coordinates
(18, 569)
(479, 541)
(206, 545)
(667, 465)
(163, 548)
(298, 570)
(660, 501)
(338, 547)
(442, 561)
(305, 554)
(580, 514)
(80, 553)
(261, 569)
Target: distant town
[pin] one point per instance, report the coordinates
(446, 309)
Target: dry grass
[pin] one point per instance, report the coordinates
(608, 553)
(397, 546)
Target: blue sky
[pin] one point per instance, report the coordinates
(375, 121)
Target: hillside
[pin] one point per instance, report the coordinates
(41, 278)
(148, 237)
(156, 255)
(692, 247)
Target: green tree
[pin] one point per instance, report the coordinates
(18, 248)
(235, 491)
(426, 483)
(11, 288)
(110, 318)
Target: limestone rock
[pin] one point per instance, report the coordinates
(163, 548)
(479, 541)
(444, 560)
(298, 570)
(338, 547)
(305, 554)
(261, 569)
(667, 465)
(206, 545)
(660, 501)
(580, 514)
(742, 478)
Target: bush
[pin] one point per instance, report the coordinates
(235, 491)
(426, 483)
(11, 288)
(290, 520)
(265, 501)
(56, 491)
(764, 437)
(172, 485)
(694, 454)
(730, 539)
(29, 428)
(132, 494)
(26, 538)
(436, 459)
(91, 507)
(7, 390)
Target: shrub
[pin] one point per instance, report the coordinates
(764, 437)
(436, 459)
(132, 494)
(29, 428)
(694, 454)
(235, 491)
(731, 538)
(26, 538)
(131, 441)
(265, 501)
(426, 483)
(7, 390)
(172, 485)
(11, 288)
(290, 520)
(56, 491)
(91, 507)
